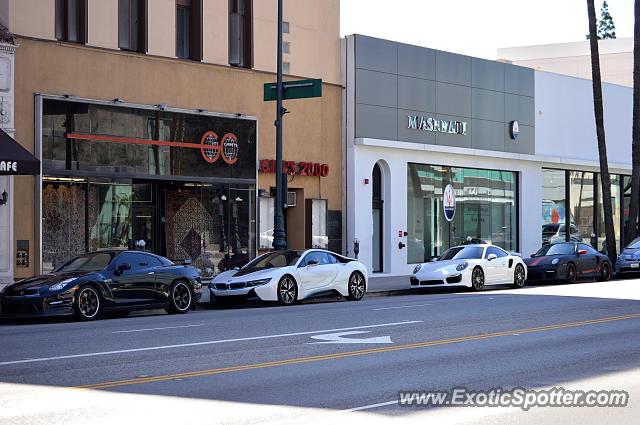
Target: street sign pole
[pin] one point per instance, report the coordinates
(278, 225)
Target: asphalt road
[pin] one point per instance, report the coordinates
(329, 361)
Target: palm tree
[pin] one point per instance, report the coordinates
(602, 146)
(634, 208)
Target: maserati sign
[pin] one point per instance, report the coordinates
(449, 202)
(417, 122)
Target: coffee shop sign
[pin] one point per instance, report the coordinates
(417, 122)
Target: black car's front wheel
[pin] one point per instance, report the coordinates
(88, 303)
(181, 298)
(605, 272)
(571, 273)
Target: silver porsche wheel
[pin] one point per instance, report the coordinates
(518, 276)
(477, 279)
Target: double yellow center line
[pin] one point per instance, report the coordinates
(335, 356)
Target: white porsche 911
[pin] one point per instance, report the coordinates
(290, 276)
(472, 266)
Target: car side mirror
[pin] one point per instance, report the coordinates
(122, 267)
(435, 258)
(312, 263)
(492, 257)
(532, 255)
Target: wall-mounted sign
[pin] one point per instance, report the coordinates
(212, 148)
(9, 166)
(449, 202)
(514, 130)
(295, 168)
(417, 122)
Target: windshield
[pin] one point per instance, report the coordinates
(556, 249)
(635, 244)
(463, 253)
(274, 259)
(87, 263)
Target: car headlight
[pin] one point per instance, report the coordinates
(417, 268)
(462, 266)
(258, 282)
(60, 285)
(555, 261)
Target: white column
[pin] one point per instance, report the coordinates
(6, 231)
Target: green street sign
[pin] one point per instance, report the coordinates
(300, 89)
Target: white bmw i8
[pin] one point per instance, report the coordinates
(290, 276)
(472, 266)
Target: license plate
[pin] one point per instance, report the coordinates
(634, 265)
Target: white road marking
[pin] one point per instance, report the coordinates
(338, 338)
(195, 344)
(370, 406)
(402, 306)
(157, 329)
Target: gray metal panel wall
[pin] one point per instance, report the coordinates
(394, 81)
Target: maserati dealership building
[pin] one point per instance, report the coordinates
(441, 149)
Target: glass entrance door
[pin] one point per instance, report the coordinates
(143, 228)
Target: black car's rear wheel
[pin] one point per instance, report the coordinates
(287, 291)
(87, 303)
(357, 287)
(605, 272)
(477, 279)
(571, 274)
(518, 277)
(181, 297)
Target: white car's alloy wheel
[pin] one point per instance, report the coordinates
(477, 279)
(357, 287)
(287, 291)
(518, 276)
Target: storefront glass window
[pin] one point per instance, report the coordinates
(123, 181)
(582, 218)
(130, 141)
(626, 190)
(319, 237)
(553, 204)
(267, 211)
(616, 198)
(485, 209)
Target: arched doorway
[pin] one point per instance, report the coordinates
(377, 203)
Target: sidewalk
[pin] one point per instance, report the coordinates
(388, 283)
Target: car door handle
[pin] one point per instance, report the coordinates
(151, 273)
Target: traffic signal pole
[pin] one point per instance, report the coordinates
(278, 225)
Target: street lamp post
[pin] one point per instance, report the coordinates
(278, 225)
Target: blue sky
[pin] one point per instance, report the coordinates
(478, 28)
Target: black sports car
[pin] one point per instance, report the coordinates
(105, 281)
(568, 261)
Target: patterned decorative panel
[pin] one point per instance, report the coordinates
(191, 230)
(63, 224)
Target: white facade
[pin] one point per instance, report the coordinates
(616, 59)
(6, 182)
(564, 139)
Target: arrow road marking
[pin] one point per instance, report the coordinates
(338, 338)
(196, 344)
